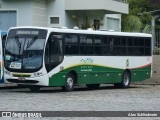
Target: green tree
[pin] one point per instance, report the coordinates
(132, 24)
(135, 20)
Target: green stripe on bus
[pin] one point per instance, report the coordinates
(92, 74)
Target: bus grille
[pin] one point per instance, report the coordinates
(22, 81)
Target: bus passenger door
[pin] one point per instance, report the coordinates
(53, 52)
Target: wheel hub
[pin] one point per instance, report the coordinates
(70, 82)
(126, 80)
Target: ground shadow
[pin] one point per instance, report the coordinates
(22, 89)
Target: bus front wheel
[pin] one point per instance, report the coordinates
(126, 78)
(69, 86)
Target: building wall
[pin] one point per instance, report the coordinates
(83, 17)
(56, 9)
(39, 13)
(7, 19)
(111, 6)
(23, 9)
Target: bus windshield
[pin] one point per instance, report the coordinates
(24, 50)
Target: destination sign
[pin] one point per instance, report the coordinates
(27, 32)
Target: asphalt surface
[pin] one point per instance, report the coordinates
(106, 98)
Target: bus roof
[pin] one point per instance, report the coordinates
(97, 32)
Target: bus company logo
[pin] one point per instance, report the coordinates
(21, 114)
(6, 114)
(88, 60)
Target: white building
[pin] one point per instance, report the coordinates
(101, 14)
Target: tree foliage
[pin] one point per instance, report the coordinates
(135, 20)
(132, 24)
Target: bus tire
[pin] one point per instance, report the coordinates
(92, 86)
(70, 81)
(34, 88)
(125, 82)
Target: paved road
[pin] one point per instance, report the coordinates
(107, 98)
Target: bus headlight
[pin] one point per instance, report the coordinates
(37, 74)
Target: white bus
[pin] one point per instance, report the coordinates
(38, 57)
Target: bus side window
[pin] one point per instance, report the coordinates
(148, 46)
(130, 47)
(55, 51)
(98, 45)
(111, 45)
(123, 45)
(86, 45)
(71, 46)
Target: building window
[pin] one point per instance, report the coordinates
(8, 19)
(113, 24)
(55, 20)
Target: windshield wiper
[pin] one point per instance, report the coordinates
(29, 44)
(18, 43)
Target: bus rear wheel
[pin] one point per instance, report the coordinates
(126, 78)
(69, 86)
(92, 86)
(34, 88)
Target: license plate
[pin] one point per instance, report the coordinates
(21, 78)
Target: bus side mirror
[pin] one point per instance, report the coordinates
(4, 40)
